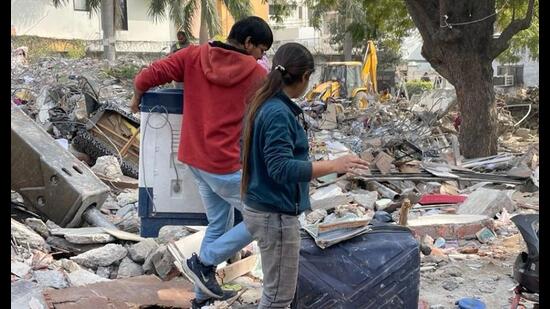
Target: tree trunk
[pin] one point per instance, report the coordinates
(348, 45)
(108, 26)
(476, 99)
(203, 32)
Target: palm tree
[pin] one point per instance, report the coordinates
(182, 13)
(109, 10)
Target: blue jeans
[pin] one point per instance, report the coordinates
(220, 195)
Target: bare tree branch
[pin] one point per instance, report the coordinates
(501, 43)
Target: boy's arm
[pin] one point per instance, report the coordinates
(159, 73)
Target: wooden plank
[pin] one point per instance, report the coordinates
(122, 235)
(137, 292)
(342, 225)
(237, 269)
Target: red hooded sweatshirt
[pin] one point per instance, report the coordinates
(218, 81)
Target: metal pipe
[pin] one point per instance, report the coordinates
(95, 218)
(385, 191)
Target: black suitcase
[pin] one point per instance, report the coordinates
(376, 270)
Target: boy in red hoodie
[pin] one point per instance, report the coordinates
(218, 80)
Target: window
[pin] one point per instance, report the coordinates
(300, 12)
(271, 9)
(514, 70)
(80, 5)
(122, 16)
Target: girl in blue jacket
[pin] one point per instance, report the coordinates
(277, 171)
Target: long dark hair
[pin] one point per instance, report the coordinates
(290, 63)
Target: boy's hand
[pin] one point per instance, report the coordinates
(134, 105)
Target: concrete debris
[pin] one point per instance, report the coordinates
(171, 233)
(162, 263)
(128, 197)
(26, 236)
(83, 277)
(51, 278)
(103, 256)
(486, 202)
(20, 269)
(412, 147)
(108, 167)
(129, 268)
(139, 252)
(105, 272)
(38, 226)
(69, 265)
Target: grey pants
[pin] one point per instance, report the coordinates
(278, 237)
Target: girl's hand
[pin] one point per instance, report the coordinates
(349, 163)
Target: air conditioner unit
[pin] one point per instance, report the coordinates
(503, 80)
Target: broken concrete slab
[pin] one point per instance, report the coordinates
(103, 256)
(38, 226)
(139, 252)
(24, 235)
(123, 235)
(20, 269)
(83, 277)
(486, 202)
(51, 278)
(383, 203)
(170, 233)
(328, 197)
(84, 235)
(129, 268)
(365, 198)
(450, 226)
(136, 292)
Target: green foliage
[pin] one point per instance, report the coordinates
(279, 9)
(526, 40)
(182, 13)
(45, 47)
(123, 71)
(417, 86)
(385, 21)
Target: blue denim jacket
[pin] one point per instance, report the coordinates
(279, 166)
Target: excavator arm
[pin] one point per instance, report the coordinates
(368, 71)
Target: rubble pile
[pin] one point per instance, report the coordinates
(459, 209)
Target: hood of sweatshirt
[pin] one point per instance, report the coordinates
(225, 66)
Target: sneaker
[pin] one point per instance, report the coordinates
(197, 304)
(203, 276)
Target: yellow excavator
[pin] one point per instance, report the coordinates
(348, 80)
